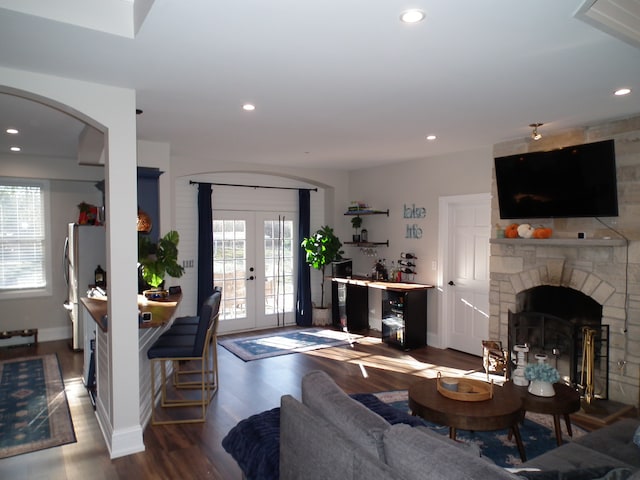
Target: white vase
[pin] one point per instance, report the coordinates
(541, 389)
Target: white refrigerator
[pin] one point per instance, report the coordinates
(84, 250)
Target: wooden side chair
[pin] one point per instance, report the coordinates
(494, 358)
(179, 348)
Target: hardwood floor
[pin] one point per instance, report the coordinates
(195, 451)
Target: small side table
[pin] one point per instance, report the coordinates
(564, 402)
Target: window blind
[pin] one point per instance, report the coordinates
(22, 237)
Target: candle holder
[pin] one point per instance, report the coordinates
(520, 352)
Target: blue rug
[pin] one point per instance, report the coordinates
(285, 342)
(537, 432)
(34, 413)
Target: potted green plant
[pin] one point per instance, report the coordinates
(158, 259)
(322, 248)
(356, 223)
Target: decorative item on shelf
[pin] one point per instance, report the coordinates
(157, 259)
(364, 235)
(144, 221)
(542, 232)
(511, 231)
(357, 206)
(524, 230)
(356, 223)
(100, 277)
(542, 377)
(88, 214)
(520, 354)
(499, 231)
(322, 248)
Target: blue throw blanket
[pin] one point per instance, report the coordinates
(255, 441)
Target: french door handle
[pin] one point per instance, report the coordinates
(451, 282)
(251, 278)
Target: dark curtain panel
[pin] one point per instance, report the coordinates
(303, 302)
(205, 244)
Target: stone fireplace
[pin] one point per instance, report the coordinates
(599, 274)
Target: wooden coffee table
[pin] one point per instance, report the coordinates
(503, 411)
(564, 402)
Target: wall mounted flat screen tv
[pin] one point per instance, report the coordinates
(577, 181)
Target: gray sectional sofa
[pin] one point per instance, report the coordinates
(329, 435)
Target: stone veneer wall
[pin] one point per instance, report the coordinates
(606, 270)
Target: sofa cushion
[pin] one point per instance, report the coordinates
(312, 448)
(615, 440)
(573, 456)
(359, 424)
(415, 455)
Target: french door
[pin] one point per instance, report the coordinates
(254, 262)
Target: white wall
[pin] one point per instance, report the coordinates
(405, 184)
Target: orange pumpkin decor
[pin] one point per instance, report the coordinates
(542, 232)
(511, 231)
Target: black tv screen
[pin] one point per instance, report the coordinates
(577, 181)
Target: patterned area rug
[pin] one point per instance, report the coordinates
(34, 413)
(283, 343)
(537, 434)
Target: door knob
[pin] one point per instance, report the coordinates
(250, 278)
(451, 282)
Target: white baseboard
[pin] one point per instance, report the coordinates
(55, 333)
(126, 442)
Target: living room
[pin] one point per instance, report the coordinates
(383, 186)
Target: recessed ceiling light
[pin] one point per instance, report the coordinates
(412, 16)
(15, 149)
(12, 131)
(622, 91)
(249, 107)
(431, 137)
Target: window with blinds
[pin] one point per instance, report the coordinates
(23, 246)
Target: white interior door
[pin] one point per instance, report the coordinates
(254, 263)
(466, 273)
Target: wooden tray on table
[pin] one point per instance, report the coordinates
(474, 390)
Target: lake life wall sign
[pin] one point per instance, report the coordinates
(413, 230)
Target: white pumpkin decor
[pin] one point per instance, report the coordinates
(525, 230)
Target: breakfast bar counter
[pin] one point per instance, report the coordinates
(97, 348)
(161, 310)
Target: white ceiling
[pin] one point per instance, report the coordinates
(340, 84)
